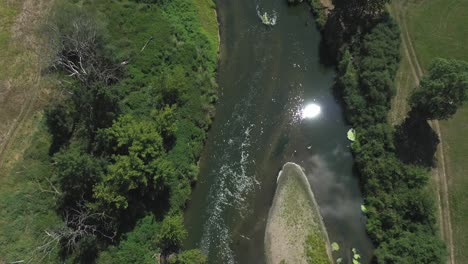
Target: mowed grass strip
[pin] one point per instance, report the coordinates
(439, 28)
(454, 132)
(406, 83)
(208, 21)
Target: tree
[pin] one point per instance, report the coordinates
(193, 256)
(442, 90)
(417, 247)
(76, 173)
(136, 246)
(78, 232)
(137, 170)
(60, 123)
(171, 235)
(360, 8)
(76, 46)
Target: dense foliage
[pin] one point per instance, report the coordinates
(128, 131)
(442, 90)
(401, 213)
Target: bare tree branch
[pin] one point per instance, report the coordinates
(79, 222)
(77, 51)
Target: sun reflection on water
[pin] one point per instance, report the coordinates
(311, 111)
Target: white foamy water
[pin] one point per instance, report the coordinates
(235, 180)
(267, 18)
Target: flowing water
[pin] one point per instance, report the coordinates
(267, 76)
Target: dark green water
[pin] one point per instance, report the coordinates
(267, 75)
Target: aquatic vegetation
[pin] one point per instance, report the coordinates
(335, 246)
(356, 256)
(363, 208)
(351, 135)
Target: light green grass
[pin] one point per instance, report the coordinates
(406, 83)
(454, 133)
(7, 18)
(439, 28)
(405, 80)
(208, 20)
(25, 210)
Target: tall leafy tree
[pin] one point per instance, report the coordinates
(139, 151)
(171, 234)
(412, 247)
(76, 173)
(442, 90)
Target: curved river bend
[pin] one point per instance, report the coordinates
(267, 76)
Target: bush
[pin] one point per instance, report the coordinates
(401, 220)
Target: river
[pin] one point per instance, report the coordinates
(267, 76)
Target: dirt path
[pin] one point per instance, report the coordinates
(24, 35)
(439, 173)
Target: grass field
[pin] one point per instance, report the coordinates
(405, 81)
(208, 20)
(25, 211)
(439, 28)
(26, 203)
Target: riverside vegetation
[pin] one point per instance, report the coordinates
(124, 134)
(439, 28)
(364, 41)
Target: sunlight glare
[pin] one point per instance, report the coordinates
(311, 111)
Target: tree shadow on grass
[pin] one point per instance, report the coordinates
(416, 142)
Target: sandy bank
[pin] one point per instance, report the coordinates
(295, 232)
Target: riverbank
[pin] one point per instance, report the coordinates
(320, 10)
(167, 53)
(444, 36)
(295, 232)
(391, 187)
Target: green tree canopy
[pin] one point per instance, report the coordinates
(76, 173)
(139, 151)
(417, 247)
(442, 90)
(171, 234)
(193, 256)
